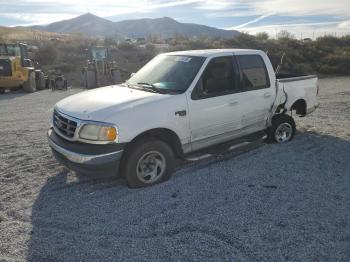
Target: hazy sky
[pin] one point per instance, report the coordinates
(297, 16)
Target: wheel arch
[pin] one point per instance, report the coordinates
(164, 134)
(299, 106)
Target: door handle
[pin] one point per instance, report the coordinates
(181, 113)
(267, 95)
(233, 103)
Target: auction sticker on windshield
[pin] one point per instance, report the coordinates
(183, 59)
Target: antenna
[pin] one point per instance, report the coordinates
(280, 64)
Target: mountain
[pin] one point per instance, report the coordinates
(93, 25)
(88, 24)
(168, 27)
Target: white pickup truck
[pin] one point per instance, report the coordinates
(177, 104)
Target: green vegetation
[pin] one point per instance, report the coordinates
(326, 55)
(70, 55)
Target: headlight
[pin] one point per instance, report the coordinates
(98, 132)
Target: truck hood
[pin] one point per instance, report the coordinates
(98, 104)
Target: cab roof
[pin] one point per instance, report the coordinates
(215, 52)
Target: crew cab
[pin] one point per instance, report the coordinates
(177, 104)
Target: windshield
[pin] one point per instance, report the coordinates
(10, 50)
(168, 72)
(99, 53)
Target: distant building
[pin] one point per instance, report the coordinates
(56, 39)
(169, 40)
(307, 40)
(130, 40)
(161, 46)
(141, 40)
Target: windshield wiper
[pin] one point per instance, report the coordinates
(144, 86)
(151, 87)
(139, 87)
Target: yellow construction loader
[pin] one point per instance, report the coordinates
(100, 71)
(17, 69)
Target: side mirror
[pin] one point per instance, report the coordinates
(132, 74)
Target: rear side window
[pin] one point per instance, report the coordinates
(254, 73)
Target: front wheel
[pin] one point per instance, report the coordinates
(30, 85)
(147, 162)
(282, 129)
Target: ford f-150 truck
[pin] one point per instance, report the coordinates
(177, 104)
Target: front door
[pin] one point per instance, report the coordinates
(214, 108)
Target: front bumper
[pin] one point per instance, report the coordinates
(85, 158)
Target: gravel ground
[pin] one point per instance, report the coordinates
(272, 203)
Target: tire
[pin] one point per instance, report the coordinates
(59, 83)
(52, 84)
(41, 83)
(90, 79)
(116, 76)
(282, 129)
(30, 85)
(147, 162)
(84, 78)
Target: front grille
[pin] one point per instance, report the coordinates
(64, 125)
(5, 67)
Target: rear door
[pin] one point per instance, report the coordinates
(215, 111)
(257, 93)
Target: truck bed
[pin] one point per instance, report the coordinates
(301, 89)
(293, 77)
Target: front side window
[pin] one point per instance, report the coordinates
(10, 50)
(254, 73)
(99, 53)
(13, 50)
(217, 79)
(3, 50)
(168, 72)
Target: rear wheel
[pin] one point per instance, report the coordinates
(147, 162)
(90, 79)
(60, 83)
(41, 82)
(282, 129)
(30, 85)
(52, 84)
